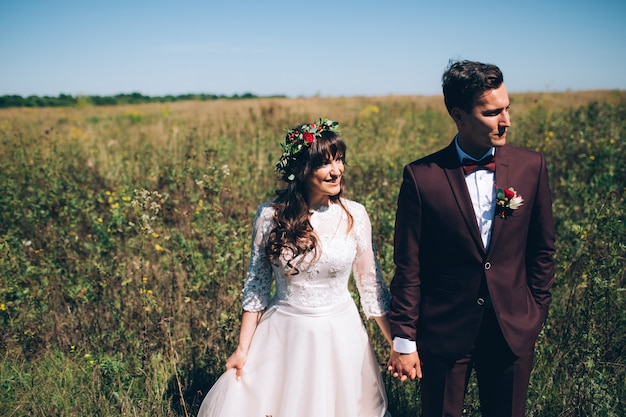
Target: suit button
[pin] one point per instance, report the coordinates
(487, 265)
(480, 301)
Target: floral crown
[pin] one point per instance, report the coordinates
(297, 139)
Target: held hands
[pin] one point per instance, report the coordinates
(237, 360)
(404, 366)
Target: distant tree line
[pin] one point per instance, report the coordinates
(65, 100)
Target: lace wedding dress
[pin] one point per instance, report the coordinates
(310, 355)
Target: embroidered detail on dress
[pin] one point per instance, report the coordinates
(324, 282)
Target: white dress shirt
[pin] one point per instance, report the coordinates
(480, 185)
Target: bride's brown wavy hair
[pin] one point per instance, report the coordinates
(293, 234)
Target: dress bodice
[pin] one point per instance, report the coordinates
(322, 280)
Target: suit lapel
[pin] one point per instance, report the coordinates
(456, 179)
(502, 180)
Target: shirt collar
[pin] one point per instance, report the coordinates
(462, 154)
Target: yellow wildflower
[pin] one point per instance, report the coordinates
(369, 110)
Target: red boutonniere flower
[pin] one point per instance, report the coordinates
(507, 200)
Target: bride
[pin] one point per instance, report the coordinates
(303, 350)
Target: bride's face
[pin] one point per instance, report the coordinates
(325, 181)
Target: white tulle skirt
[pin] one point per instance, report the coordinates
(303, 362)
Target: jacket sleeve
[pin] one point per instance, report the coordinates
(540, 247)
(405, 285)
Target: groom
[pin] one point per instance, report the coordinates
(474, 246)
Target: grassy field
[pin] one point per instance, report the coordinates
(124, 239)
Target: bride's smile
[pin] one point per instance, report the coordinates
(325, 182)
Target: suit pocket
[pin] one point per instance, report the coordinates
(450, 286)
(518, 214)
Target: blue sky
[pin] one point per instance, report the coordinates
(304, 48)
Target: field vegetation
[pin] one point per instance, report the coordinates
(124, 240)
(66, 100)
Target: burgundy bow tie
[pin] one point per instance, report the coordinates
(469, 165)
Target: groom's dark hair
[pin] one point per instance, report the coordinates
(464, 81)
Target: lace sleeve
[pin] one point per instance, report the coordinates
(375, 297)
(258, 284)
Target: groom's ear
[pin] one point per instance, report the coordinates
(457, 114)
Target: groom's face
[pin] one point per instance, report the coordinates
(486, 124)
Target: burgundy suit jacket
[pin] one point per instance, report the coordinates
(442, 267)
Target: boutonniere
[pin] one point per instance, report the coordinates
(507, 200)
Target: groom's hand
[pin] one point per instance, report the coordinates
(404, 366)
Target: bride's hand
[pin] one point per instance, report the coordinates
(237, 360)
(405, 366)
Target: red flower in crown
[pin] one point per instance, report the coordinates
(309, 137)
